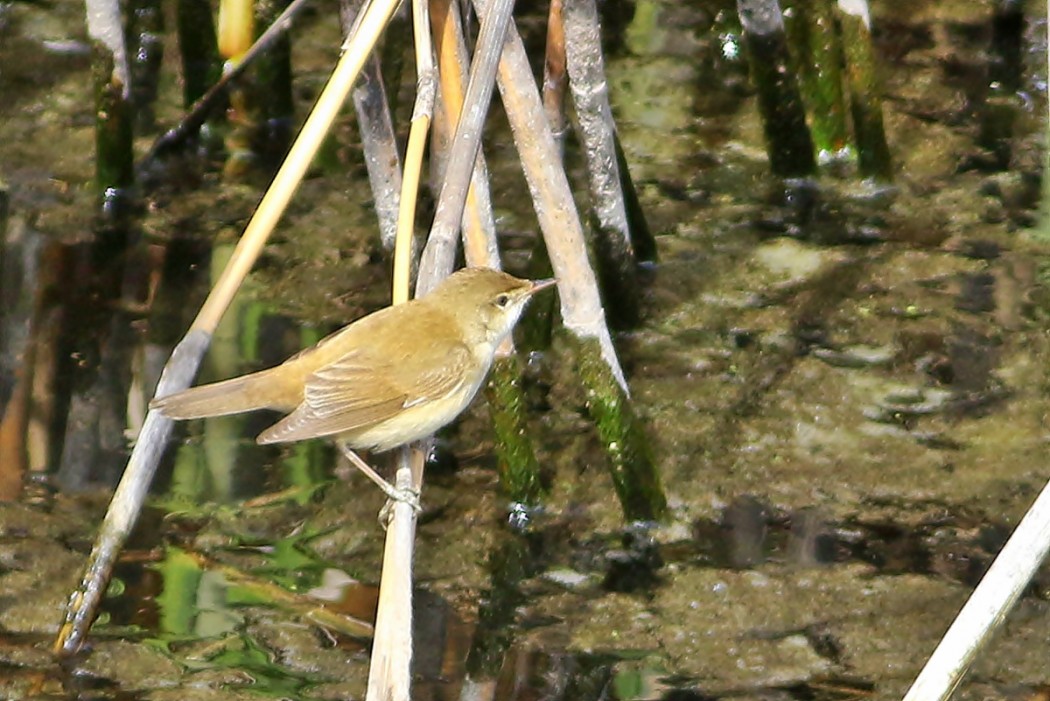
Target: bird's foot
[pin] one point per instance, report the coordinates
(395, 495)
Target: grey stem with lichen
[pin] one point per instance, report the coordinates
(581, 305)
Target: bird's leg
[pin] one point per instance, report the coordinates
(408, 496)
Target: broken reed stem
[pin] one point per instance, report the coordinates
(479, 225)
(634, 472)
(518, 465)
(555, 76)
(989, 604)
(182, 366)
(788, 142)
(440, 251)
(555, 85)
(287, 179)
(581, 304)
(375, 124)
(614, 252)
(382, 158)
(300, 604)
(873, 153)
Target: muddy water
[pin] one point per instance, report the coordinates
(844, 383)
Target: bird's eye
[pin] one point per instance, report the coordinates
(502, 301)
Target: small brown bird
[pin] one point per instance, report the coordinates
(387, 379)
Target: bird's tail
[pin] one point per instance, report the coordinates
(254, 391)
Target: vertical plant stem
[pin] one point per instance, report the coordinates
(382, 157)
(198, 48)
(48, 388)
(29, 331)
(1045, 204)
(536, 328)
(632, 468)
(1000, 103)
(614, 252)
(91, 437)
(236, 28)
(236, 31)
(422, 115)
(479, 224)
(389, 673)
(638, 483)
(555, 75)
(390, 669)
(146, 30)
(817, 50)
(873, 153)
(788, 140)
(509, 564)
(403, 248)
(537, 324)
(114, 157)
(519, 468)
(14, 420)
(393, 53)
(274, 85)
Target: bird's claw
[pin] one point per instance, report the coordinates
(395, 495)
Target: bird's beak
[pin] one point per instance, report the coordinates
(538, 285)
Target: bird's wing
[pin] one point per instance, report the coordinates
(360, 389)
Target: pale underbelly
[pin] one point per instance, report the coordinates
(413, 423)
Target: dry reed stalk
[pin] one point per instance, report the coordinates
(440, 251)
(555, 75)
(185, 359)
(390, 667)
(986, 610)
(479, 225)
(581, 305)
